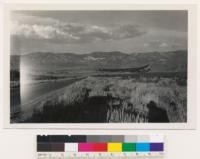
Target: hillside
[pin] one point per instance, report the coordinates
(159, 61)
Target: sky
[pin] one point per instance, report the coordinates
(90, 31)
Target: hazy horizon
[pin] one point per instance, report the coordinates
(100, 52)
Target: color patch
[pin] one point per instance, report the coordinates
(142, 147)
(130, 139)
(85, 147)
(156, 139)
(128, 147)
(114, 147)
(93, 139)
(143, 139)
(58, 138)
(71, 147)
(57, 147)
(100, 147)
(156, 147)
(44, 147)
(43, 138)
(117, 138)
(105, 138)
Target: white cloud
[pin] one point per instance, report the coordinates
(45, 32)
(31, 27)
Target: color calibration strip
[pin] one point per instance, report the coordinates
(100, 146)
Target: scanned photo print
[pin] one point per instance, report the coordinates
(98, 66)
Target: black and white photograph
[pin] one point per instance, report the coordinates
(98, 66)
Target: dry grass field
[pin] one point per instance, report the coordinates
(117, 100)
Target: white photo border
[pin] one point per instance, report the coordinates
(192, 66)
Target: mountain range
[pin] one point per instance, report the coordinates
(172, 61)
